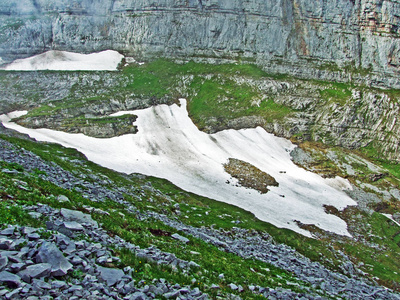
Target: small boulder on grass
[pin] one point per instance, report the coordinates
(180, 238)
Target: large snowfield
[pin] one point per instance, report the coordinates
(67, 61)
(169, 145)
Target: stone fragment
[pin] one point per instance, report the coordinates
(111, 276)
(62, 198)
(3, 262)
(10, 279)
(7, 171)
(5, 243)
(77, 216)
(184, 291)
(58, 284)
(196, 292)
(192, 264)
(14, 294)
(73, 226)
(156, 290)
(33, 236)
(35, 271)
(180, 238)
(16, 267)
(41, 284)
(49, 253)
(171, 295)
(233, 286)
(28, 230)
(35, 214)
(138, 296)
(8, 231)
(75, 288)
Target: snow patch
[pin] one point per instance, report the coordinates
(68, 61)
(389, 216)
(339, 183)
(169, 145)
(131, 60)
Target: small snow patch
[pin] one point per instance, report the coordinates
(339, 183)
(68, 61)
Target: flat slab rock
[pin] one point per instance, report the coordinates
(109, 275)
(35, 271)
(77, 216)
(10, 279)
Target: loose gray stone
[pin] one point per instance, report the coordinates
(77, 216)
(16, 267)
(192, 264)
(7, 171)
(73, 226)
(35, 215)
(35, 271)
(49, 253)
(233, 286)
(215, 287)
(62, 198)
(155, 290)
(111, 276)
(41, 284)
(33, 236)
(180, 238)
(138, 296)
(3, 262)
(58, 284)
(28, 230)
(5, 243)
(196, 292)
(13, 294)
(172, 295)
(8, 231)
(10, 279)
(75, 288)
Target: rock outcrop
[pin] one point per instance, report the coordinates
(336, 40)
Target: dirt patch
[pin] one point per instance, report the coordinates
(249, 176)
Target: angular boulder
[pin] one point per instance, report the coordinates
(49, 253)
(180, 238)
(77, 216)
(111, 276)
(35, 271)
(5, 243)
(12, 280)
(72, 226)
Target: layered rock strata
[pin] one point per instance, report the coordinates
(336, 40)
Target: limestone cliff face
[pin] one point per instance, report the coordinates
(317, 39)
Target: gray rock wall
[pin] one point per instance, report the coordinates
(295, 36)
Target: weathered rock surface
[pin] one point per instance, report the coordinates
(314, 40)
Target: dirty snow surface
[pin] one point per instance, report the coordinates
(68, 61)
(169, 145)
